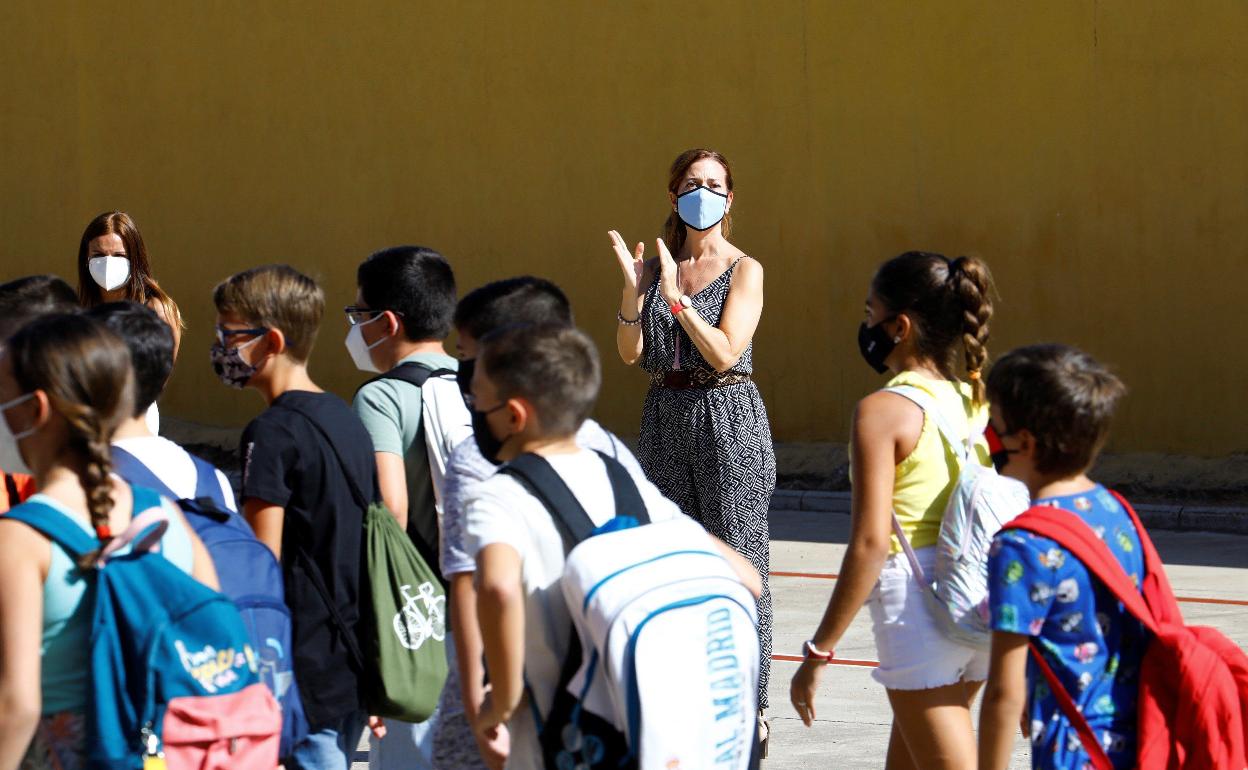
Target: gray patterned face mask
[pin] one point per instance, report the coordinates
(229, 365)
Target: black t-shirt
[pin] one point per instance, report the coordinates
(287, 462)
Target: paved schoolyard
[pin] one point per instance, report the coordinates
(1209, 570)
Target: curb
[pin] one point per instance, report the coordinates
(1181, 518)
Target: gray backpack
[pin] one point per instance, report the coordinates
(982, 501)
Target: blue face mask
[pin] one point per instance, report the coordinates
(701, 208)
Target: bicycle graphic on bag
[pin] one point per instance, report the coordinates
(413, 626)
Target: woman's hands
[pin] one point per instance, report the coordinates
(631, 265)
(668, 286)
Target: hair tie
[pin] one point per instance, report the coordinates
(955, 266)
(103, 532)
(974, 374)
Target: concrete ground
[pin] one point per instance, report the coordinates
(1209, 573)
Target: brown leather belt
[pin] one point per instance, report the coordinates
(703, 379)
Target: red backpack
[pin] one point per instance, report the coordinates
(1193, 707)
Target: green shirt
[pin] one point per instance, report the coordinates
(391, 411)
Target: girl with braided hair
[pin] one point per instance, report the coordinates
(65, 385)
(926, 322)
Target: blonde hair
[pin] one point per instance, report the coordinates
(276, 297)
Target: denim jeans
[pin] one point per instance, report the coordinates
(331, 747)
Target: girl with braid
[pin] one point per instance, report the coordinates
(926, 323)
(65, 385)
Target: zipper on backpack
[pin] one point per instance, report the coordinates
(153, 757)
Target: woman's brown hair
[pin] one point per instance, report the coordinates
(141, 287)
(949, 303)
(674, 229)
(84, 368)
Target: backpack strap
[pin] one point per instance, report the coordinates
(1096, 753)
(133, 470)
(540, 477)
(10, 487)
(206, 483)
(573, 523)
(55, 526)
(361, 499)
(628, 501)
(411, 372)
(1073, 534)
(931, 408)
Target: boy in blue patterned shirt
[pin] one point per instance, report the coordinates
(1051, 407)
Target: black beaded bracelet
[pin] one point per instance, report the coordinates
(635, 322)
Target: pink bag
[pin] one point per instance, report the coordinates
(239, 731)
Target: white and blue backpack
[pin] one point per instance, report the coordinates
(663, 669)
(981, 502)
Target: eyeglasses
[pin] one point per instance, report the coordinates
(357, 315)
(470, 401)
(224, 334)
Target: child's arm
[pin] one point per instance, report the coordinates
(500, 613)
(392, 478)
(21, 620)
(266, 520)
(742, 566)
(1005, 698)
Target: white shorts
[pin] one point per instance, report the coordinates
(914, 654)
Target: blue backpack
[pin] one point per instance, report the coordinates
(249, 574)
(165, 650)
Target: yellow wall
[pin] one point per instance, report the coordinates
(1096, 153)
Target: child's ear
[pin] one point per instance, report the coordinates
(393, 323)
(903, 327)
(275, 339)
(522, 414)
(1027, 444)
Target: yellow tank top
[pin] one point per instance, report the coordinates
(925, 478)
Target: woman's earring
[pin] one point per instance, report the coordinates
(896, 340)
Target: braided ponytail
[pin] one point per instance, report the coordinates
(90, 438)
(972, 284)
(84, 369)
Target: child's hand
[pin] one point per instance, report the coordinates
(495, 750)
(803, 688)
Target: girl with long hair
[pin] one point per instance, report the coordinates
(926, 323)
(65, 385)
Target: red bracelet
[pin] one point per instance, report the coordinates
(814, 653)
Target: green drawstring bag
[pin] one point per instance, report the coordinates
(403, 626)
(407, 623)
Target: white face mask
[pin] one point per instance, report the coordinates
(358, 348)
(109, 272)
(10, 455)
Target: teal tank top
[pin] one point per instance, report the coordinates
(67, 618)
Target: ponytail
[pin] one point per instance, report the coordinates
(84, 370)
(949, 303)
(90, 437)
(972, 283)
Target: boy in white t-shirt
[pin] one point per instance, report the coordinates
(532, 388)
(150, 341)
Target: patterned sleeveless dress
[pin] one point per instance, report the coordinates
(709, 449)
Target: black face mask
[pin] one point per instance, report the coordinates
(489, 445)
(999, 455)
(875, 345)
(463, 376)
